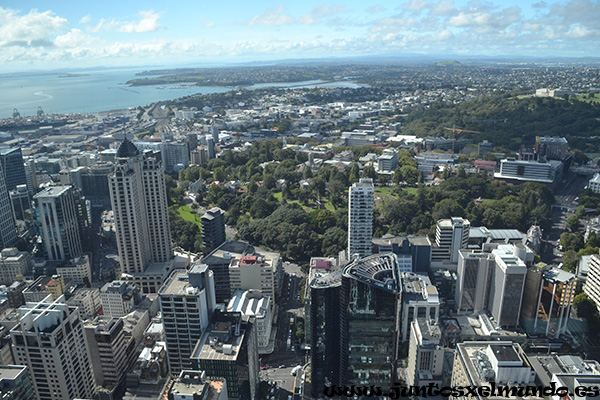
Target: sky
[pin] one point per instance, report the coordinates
(36, 35)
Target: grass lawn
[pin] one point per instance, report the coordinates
(278, 196)
(187, 214)
(384, 190)
(594, 99)
(413, 191)
(329, 206)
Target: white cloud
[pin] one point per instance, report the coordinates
(73, 38)
(86, 19)
(415, 5)
(580, 32)
(320, 12)
(105, 25)
(148, 23)
(33, 29)
(272, 17)
(444, 7)
(376, 9)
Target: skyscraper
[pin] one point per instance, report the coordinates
(213, 228)
(547, 301)
(360, 218)
(187, 301)
(58, 214)
(139, 201)
(369, 327)
(13, 167)
(507, 286)
(324, 329)
(8, 231)
(451, 235)
(111, 353)
(474, 275)
(49, 340)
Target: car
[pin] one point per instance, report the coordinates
(281, 366)
(263, 367)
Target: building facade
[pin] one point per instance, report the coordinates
(474, 275)
(58, 216)
(369, 309)
(49, 340)
(451, 235)
(213, 228)
(507, 286)
(111, 353)
(187, 301)
(139, 202)
(425, 353)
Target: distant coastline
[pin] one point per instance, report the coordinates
(72, 75)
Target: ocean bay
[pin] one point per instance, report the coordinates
(104, 90)
(86, 92)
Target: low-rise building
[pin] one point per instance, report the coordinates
(478, 364)
(78, 270)
(425, 353)
(88, 301)
(195, 385)
(119, 297)
(13, 264)
(420, 299)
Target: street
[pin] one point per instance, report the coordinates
(288, 354)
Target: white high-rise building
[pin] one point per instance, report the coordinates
(49, 340)
(58, 215)
(592, 284)
(508, 282)
(451, 235)
(360, 218)
(139, 201)
(187, 301)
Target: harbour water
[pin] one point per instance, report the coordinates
(103, 90)
(89, 91)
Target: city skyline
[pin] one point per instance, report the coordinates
(37, 36)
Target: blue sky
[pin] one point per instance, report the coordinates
(69, 34)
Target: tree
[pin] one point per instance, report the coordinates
(585, 307)
(573, 223)
(369, 172)
(354, 173)
(570, 261)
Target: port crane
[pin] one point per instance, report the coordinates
(455, 131)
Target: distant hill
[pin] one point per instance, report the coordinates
(448, 64)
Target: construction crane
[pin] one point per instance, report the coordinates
(494, 120)
(454, 131)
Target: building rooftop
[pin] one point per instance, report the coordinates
(52, 191)
(177, 285)
(495, 234)
(505, 352)
(211, 348)
(319, 279)
(377, 270)
(11, 371)
(558, 275)
(228, 250)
